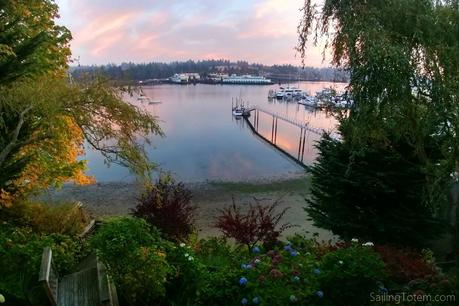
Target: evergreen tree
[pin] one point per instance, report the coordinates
(398, 144)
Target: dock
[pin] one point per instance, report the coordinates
(303, 126)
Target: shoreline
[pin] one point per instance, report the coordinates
(118, 198)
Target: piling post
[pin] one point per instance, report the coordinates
(299, 145)
(275, 132)
(302, 150)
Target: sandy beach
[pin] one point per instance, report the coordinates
(111, 199)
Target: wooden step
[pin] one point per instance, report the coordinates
(79, 289)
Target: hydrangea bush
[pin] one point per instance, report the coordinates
(279, 276)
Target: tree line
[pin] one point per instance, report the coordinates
(161, 70)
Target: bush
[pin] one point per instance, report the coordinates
(135, 256)
(68, 219)
(218, 282)
(21, 250)
(259, 224)
(349, 275)
(404, 265)
(167, 206)
(184, 283)
(370, 192)
(280, 277)
(277, 277)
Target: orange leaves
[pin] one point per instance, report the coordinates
(6, 199)
(55, 160)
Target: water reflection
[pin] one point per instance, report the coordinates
(205, 142)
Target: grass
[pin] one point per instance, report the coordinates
(292, 185)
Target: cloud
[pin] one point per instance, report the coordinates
(118, 31)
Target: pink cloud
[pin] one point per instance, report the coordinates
(120, 31)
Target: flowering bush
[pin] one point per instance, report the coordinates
(135, 256)
(184, 282)
(279, 277)
(349, 275)
(167, 206)
(260, 223)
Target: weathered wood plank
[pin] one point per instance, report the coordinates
(47, 276)
(89, 286)
(79, 289)
(88, 229)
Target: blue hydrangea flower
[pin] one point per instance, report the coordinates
(244, 301)
(317, 271)
(320, 294)
(288, 247)
(293, 253)
(243, 281)
(249, 266)
(243, 266)
(256, 300)
(296, 278)
(293, 298)
(256, 250)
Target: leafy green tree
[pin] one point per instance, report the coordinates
(31, 43)
(46, 119)
(403, 65)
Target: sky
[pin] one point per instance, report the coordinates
(116, 31)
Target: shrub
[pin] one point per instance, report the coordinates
(135, 256)
(279, 277)
(404, 265)
(259, 223)
(68, 219)
(349, 275)
(167, 206)
(318, 248)
(20, 257)
(371, 192)
(218, 282)
(184, 283)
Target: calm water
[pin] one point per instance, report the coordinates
(205, 142)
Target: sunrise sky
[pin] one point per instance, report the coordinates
(115, 31)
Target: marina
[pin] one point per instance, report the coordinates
(204, 141)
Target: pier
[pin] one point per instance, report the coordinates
(304, 128)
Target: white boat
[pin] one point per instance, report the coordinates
(143, 98)
(238, 111)
(289, 93)
(308, 101)
(179, 78)
(280, 93)
(246, 80)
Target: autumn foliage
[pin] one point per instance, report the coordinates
(259, 223)
(167, 206)
(404, 265)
